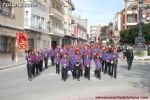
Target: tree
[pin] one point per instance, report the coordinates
(129, 35)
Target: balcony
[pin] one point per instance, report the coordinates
(56, 14)
(132, 12)
(57, 32)
(131, 23)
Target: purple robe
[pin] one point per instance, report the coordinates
(98, 64)
(64, 63)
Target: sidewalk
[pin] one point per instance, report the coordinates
(8, 63)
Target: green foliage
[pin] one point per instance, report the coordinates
(139, 53)
(128, 35)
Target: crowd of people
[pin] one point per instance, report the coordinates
(75, 58)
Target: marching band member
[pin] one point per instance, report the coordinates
(29, 64)
(52, 56)
(57, 61)
(87, 64)
(46, 57)
(115, 62)
(77, 72)
(64, 66)
(98, 65)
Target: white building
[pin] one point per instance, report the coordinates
(56, 21)
(116, 22)
(36, 19)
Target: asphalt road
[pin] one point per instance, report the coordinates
(14, 84)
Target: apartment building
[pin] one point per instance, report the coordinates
(116, 22)
(130, 18)
(11, 21)
(56, 22)
(95, 32)
(69, 35)
(35, 24)
(79, 28)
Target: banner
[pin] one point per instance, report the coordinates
(116, 37)
(22, 40)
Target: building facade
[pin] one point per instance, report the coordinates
(11, 22)
(69, 35)
(56, 22)
(35, 24)
(95, 32)
(79, 28)
(130, 18)
(116, 22)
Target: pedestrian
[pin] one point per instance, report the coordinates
(52, 56)
(46, 57)
(37, 62)
(39, 65)
(98, 66)
(87, 64)
(29, 64)
(107, 60)
(130, 56)
(124, 50)
(33, 59)
(115, 62)
(57, 61)
(78, 65)
(103, 59)
(64, 66)
(41, 60)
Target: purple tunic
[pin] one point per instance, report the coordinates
(87, 61)
(64, 62)
(57, 58)
(98, 64)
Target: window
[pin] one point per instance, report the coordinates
(31, 44)
(131, 19)
(38, 22)
(5, 44)
(32, 20)
(42, 23)
(5, 10)
(44, 43)
(27, 19)
(66, 9)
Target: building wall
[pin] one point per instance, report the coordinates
(56, 19)
(95, 33)
(68, 8)
(11, 22)
(14, 17)
(130, 18)
(80, 27)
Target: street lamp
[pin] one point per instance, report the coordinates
(139, 40)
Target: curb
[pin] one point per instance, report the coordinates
(12, 65)
(140, 61)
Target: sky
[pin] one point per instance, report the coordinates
(97, 11)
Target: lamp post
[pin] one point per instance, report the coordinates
(139, 40)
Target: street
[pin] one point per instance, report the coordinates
(49, 86)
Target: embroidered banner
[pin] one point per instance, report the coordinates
(22, 40)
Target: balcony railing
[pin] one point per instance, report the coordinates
(54, 12)
(7, 14)
(132, 12)
(131, 23)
